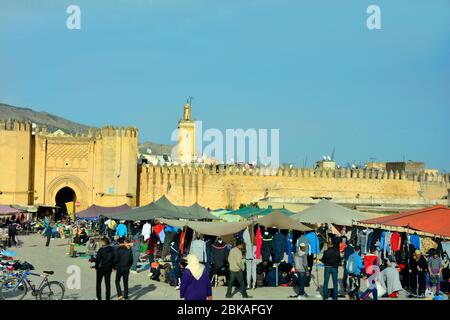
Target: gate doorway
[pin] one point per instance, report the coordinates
(63, 196)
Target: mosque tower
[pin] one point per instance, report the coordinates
(186, 135)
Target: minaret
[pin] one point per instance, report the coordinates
(186, 135)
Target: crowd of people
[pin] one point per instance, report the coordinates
(389, 263)
(251, 260)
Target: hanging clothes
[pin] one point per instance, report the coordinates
(259, 242)
(279, 247)
(396, 242)
(371, 239)
(175, 254)
(266, 248)
(121, 230)
(198, 248)
(414, 239)
(305, 240)
(146, 231)
(313, 243)
(363, 240)
(385, 242)
(169, 236)
(182, 241)
(247, 240)
(290, 247)
(219, 254)
(162, 236)
(354, 235)
(446, 247)
(158, 229)
(151, 244)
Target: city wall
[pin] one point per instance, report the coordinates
(229, 187)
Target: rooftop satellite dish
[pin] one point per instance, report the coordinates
(324, 157)
(149, 151)
(329, 158)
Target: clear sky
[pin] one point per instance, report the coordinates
(309, 68)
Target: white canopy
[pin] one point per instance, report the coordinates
(329, 212)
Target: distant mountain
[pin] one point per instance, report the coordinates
(54, 123)
(51, 121)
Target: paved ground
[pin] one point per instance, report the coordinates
(56, 258)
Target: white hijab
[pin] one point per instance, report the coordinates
(195, 267)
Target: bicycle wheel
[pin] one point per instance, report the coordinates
(12, 290)
(52, 290)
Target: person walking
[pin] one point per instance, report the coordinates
(104, 263)
(195, 284)
(331, 259)
(419, 267)
(136, 250)
(47, 231)
(123, 260)
(302, 270)
(435, 267)
(236, 263)
(348, 251)
(354, 266)
(12, 233)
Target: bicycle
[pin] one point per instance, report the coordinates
(16, 288)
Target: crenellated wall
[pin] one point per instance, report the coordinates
(15, 159)
(229, 187)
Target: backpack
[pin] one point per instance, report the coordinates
(351, 264)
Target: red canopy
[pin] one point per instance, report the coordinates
(434, 220)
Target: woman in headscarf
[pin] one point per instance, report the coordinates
(195, 283)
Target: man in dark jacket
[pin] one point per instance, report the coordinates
(104, 263)
(12, 232)
(331, 259)
(123, 260)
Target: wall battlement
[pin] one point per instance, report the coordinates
(114, 131)
(299, 173)
(228, 187)
(15, 125)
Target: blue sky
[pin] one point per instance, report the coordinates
(309, 68)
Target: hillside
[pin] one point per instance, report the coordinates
(51, 121)
(54, 123)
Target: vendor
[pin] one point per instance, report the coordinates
(84, 238)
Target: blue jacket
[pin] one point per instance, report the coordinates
(359, 263)
(289, 248)
(121, 230)
(313, 242)
(415, 241)
(279, 246)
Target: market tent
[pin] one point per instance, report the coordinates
(217, 229)
(198, 212)
(270, 209)
(329, 212)
(7, 210)
(225, 215)
(247, 212)
(434, 221)
(94, 211)
(162, 208)
(277, 219)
